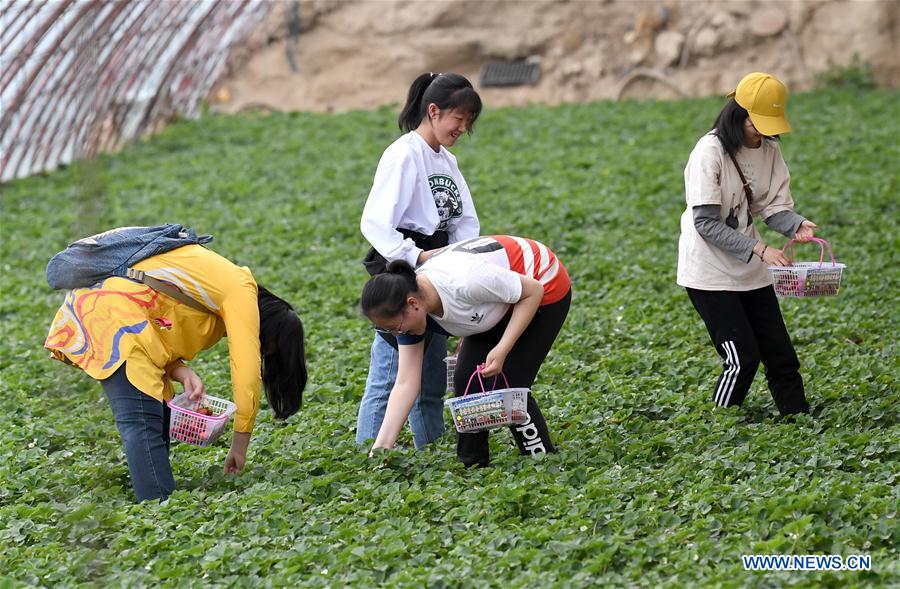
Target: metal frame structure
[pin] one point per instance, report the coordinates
(80, 77)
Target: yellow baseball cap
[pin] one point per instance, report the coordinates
(764, 98)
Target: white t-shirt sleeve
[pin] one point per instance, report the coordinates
(702, 176)
(487, 283)
(392, 191)
(780, 198)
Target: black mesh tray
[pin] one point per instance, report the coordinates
(510, 73)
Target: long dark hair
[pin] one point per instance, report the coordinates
(447, 91)
(729, 127)
(283, 354)
(384, 295)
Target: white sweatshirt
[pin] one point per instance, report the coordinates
(419, 189)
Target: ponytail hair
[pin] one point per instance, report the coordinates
(384, 295)
(447, 91)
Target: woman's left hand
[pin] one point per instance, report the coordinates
(523, 312)
(493, 363)
(237, 454)
(806, 231)
(234, 462)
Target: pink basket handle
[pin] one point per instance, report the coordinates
(477, 373)
(822, 244)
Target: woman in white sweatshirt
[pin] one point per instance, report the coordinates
(419, 203)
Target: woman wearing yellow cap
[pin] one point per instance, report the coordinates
(736, 173)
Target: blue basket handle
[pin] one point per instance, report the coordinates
(477, 372)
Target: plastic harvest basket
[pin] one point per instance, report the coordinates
(451, 370)
(186, 425)
(808, 279)
(489, 409)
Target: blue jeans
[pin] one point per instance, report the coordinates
(143, 424)
(426, 420)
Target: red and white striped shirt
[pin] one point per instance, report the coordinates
(478, 279)
(533, 258)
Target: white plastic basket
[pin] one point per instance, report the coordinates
(451, 371)
(489, 409)
(808, 279)
(189, 426)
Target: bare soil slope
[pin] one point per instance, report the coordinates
(327, 55)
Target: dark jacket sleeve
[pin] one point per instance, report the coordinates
(785, 222)
(708, 223)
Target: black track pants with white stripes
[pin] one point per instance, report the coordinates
(746, 327)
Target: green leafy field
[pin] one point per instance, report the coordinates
(651, 488)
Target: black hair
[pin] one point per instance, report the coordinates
(729, 127)
(384, 295)
(447, 91)
(283, 354)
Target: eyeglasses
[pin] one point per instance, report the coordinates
(398, 331)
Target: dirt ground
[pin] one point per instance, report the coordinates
(336, 55)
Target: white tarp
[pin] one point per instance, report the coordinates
(78, 77)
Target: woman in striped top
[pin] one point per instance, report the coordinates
(508, 296)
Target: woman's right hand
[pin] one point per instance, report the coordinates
(403, 395)
(424, 255)
(775, 257)
(192, 383)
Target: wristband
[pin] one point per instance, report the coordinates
(763, 252)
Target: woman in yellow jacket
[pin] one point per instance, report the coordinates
(134, 340)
